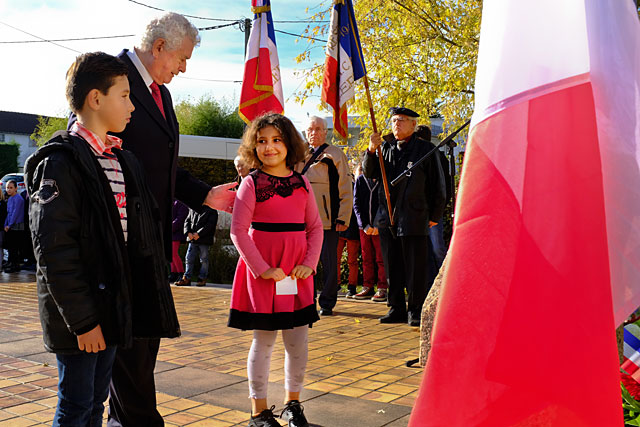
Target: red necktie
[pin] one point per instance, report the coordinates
(155, 92)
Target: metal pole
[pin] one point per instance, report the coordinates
(247, 32)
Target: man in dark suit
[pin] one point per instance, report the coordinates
(152, 135)
(417, 204)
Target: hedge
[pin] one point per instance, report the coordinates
(9, 152)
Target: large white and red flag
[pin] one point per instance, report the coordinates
(344, 63)
(261, 84)
(545, 258)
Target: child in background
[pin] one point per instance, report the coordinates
(14, 226)
(178, 236)
(278, 232)
(93, 226)
(200, 229)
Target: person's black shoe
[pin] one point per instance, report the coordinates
(414, 320)
(351, 292)
(294, 413)
(12, 269)
(265, 419)
(393, 317)
(326, 312)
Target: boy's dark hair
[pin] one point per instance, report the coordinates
(95, 70)
(296, 147)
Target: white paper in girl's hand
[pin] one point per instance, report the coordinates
(287, 286)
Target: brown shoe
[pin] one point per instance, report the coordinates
(365, 293)
(201, 282)
(380, 296)
(183, 282)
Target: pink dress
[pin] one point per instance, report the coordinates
(275, 224)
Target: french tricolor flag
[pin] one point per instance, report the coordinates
(344, 63)
(631, 364)
(544, 262)
(261, 84)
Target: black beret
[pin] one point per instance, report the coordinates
(404, 111)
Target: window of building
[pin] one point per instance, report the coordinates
(1, 137)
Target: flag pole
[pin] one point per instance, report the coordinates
(379, 151)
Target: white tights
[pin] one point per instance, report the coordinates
(295, 362)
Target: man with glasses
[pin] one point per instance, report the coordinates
(417, 204)
(327, 169)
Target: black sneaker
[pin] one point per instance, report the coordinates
(351, 292)
(294, 413)
(265, 419)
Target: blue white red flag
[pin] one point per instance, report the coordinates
(261, 84)
(545, 257)
(631, 364)
(344, 64)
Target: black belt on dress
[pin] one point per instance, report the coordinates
(278, 226)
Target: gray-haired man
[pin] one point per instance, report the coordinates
(152, 135)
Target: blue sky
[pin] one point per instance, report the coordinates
(32, 75)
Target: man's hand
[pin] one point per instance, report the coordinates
(221, 197)
(196, 236)
(189, 236)
(375, 140)
(92, 341)
(6, 229)
(301, 272)
(275, 273)
(431, 224)
(341, 227)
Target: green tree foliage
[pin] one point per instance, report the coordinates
(419, 53)
(208, 117)
(9, 152)
(46, 127)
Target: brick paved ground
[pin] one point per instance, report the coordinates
(356, 373)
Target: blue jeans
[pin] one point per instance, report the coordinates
(436, 235)
(194, 251)
(83, 386)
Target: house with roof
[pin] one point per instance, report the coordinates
(18, 127)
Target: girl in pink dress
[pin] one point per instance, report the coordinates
(278, 232)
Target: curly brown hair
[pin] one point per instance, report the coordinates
(296, 147)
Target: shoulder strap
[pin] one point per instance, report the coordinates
(313, 158)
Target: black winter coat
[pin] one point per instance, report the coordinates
(417, 199)
(86, 274)
(202, 223)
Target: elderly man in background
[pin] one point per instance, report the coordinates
(418, 203)
(152, 135)
(327, 170)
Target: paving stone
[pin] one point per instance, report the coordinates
(355, 377)
(188, 382)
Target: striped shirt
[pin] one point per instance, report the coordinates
(110, 165)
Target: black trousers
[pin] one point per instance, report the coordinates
(12, 243)
(329, 260)
(409, 263)
(132, 401)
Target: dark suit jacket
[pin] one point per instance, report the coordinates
(154, 141)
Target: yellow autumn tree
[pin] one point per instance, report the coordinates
(419, 53)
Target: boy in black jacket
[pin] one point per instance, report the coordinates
(95, 233)
(200, 229)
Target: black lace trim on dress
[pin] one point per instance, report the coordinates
(268, 186)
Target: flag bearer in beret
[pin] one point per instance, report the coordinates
(417, 204)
